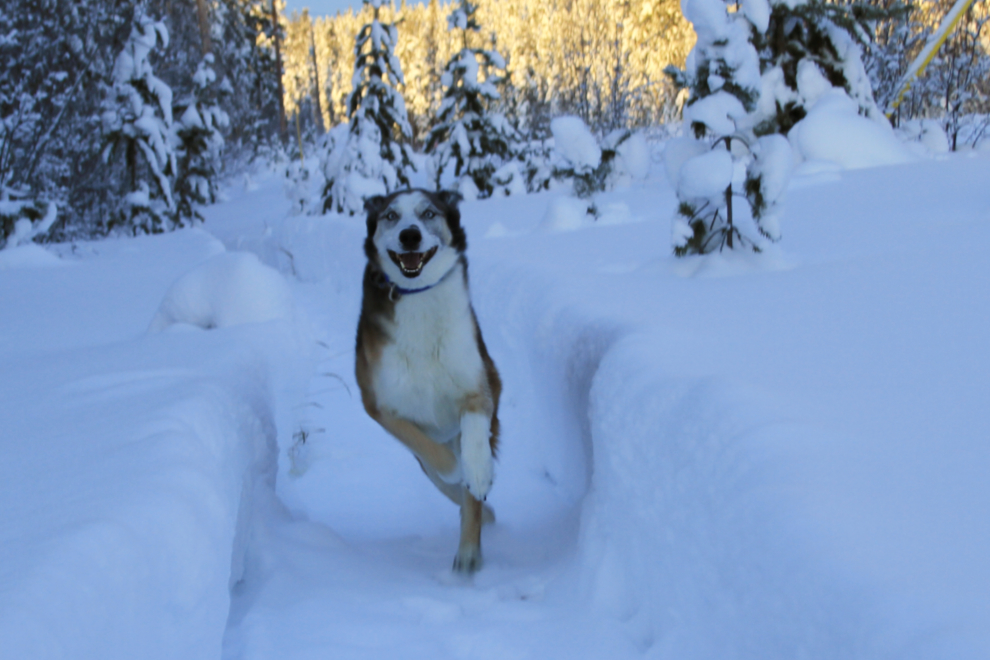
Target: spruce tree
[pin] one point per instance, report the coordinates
(479, 142)
(723, 75)
(137, 122)
(372, 158)
(199, 143)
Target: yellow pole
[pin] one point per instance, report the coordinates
(928, 53)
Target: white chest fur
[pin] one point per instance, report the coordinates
(432, 361)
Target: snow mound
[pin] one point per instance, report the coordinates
(835, 131)
(29, 255)
(565, 214)
(228, 289)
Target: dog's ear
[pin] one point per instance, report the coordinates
(448, 200)
(450, 197)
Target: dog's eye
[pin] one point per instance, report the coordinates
(391, 216)
(428, 214)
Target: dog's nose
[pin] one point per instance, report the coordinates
(410, 238)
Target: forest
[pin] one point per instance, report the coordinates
(89, 146)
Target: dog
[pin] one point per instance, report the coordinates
(421, 364)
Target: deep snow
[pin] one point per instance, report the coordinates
(736, 456)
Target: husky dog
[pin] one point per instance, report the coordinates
(422, 366)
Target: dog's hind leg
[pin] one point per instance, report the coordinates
(431, 454)
(468, 559)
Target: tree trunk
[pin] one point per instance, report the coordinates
(277, 31)
(203, 14)
(318, 105)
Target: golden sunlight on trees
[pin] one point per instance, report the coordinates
(602, 60)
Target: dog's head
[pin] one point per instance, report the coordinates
(415, 236)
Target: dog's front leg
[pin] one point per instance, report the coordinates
(433, 454)
(476, 453)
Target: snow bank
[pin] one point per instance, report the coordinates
(835, 131)
(229, 289)
(129, 459)
(29, 255)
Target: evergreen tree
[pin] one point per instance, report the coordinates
(54, 57)
(478, 141)
(199, 142)
(137, 122)
(752, 75)
(371, 158)
(723, 75)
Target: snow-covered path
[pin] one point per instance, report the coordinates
(729, 458)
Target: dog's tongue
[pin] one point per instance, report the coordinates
(411, 260)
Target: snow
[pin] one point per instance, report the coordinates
(29, 255)
(719, 111)
(574, 141)
(736, 456)
(565, 213)
(227, 290)
(707, 175)
(835, 131)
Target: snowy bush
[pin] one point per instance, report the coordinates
(479, 142)
(622, 157)
(366, 159)
(137, 122)
(23, 218)
(199, 142)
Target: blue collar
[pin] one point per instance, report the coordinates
(394, 288)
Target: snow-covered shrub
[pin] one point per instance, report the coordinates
(23, 218)
(535, 160)
(366, 159)
(137, 122)
(577, 156)
(810, 47)
(479, 142)
(199, 143)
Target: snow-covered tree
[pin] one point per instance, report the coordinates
(476, 140)
(372, 158)
(723, 75)
(137, 123)
(753, 74)
(199, 142)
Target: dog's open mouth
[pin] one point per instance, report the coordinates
(411, 263)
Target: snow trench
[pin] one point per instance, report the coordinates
(639, 514)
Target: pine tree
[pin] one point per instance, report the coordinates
(478, 141)
(137, 124)
(199, 142)
(372, 158)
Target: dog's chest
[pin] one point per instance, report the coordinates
(432, 361)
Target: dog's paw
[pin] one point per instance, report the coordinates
(468, 560)
(478, 473)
